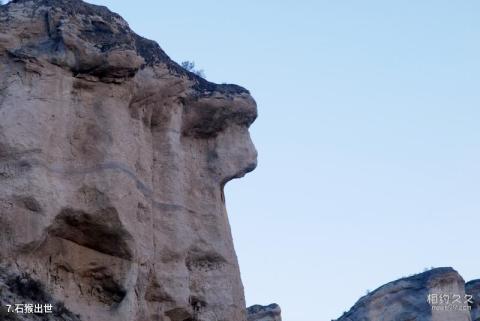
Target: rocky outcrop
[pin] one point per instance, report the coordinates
(264, 313)
(435, 295)
(113, 161)
(473, 288)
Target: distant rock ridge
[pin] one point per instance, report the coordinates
(439, 294)
(473, 288)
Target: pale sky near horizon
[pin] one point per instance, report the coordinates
(368, 137)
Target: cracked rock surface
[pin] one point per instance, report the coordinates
(113, 161)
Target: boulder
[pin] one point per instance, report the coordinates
(271, 312)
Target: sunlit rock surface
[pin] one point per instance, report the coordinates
(113, 161)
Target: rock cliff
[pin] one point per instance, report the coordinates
(436, 295)
(113, 161)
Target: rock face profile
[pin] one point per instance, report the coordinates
(264, 313)
(113, 161)
(436, 295)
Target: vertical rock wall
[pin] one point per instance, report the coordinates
(113, 161)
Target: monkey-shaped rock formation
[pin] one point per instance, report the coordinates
(113, 161)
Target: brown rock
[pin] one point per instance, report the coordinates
(113, 161)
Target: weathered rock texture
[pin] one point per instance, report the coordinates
(113, 161)
(429, 296)
(22, 289)
(473, 288)
(271, 312)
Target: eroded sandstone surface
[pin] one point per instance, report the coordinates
(113, 161)
(436, 295)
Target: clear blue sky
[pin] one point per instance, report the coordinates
(368, 137)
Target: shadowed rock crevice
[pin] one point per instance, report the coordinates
(101, 231)
(204, 261)
(30, 203)
(206, 118)
(90, 277)
(103, 286)
(180, 314)
(27, 288)
(22, 288)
